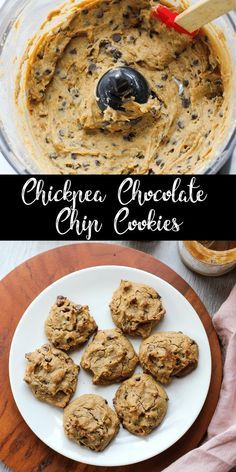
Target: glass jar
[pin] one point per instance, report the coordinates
(211, 258)
(20, 20)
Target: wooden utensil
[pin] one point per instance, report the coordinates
(194, 17)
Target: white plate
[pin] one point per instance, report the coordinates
(94, 286)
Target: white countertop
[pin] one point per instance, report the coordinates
(212, 290)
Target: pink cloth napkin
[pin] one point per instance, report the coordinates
(218, 453)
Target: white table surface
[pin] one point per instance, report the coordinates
(212, 290)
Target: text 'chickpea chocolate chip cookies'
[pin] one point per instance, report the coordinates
(141, 404)
(52, 375)
(168, 354)
(90, 422)
(136, 308)
(110, 357)
(69, 325)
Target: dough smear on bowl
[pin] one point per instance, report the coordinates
(51, 375)
(69, 325)
(110, 357)
(90, 422)
(136, 308)
(141, 404)
(177, 130)
(168, 354)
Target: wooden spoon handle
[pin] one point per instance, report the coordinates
(203, 12)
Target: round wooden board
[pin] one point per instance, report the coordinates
(20, 449)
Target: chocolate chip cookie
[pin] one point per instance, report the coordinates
(136, 308)
(69, 325)
(168, 354)
(110, 357)
(52, 375)
(90, 421)
(141, 404)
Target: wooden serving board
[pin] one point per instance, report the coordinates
(20, 449)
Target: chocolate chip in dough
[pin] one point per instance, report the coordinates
(53, 155)
(210, 67)
(116, 37)
(91, 68)
(164, 77)
(180, 124)
(116, 53)
(185, 102)
(99, 14)
(62, 106)
(140, 155)
(73, 51)
(129, 136)
(131, 39)
(135, 121)
(159, 163)
(74, 92)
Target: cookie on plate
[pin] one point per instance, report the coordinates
(110, 357)
(90, 421)
(168, 354)
(141, 404)
(69, 325)
(136, 308)
(52, 375)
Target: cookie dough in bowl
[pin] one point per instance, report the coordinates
(51, 375)
(168, 354)
(110, 357)
(141, 404)
(90, 422)
(69, 325)
(136, 308)
(176, 129)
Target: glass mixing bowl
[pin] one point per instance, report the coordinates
(19, 21)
